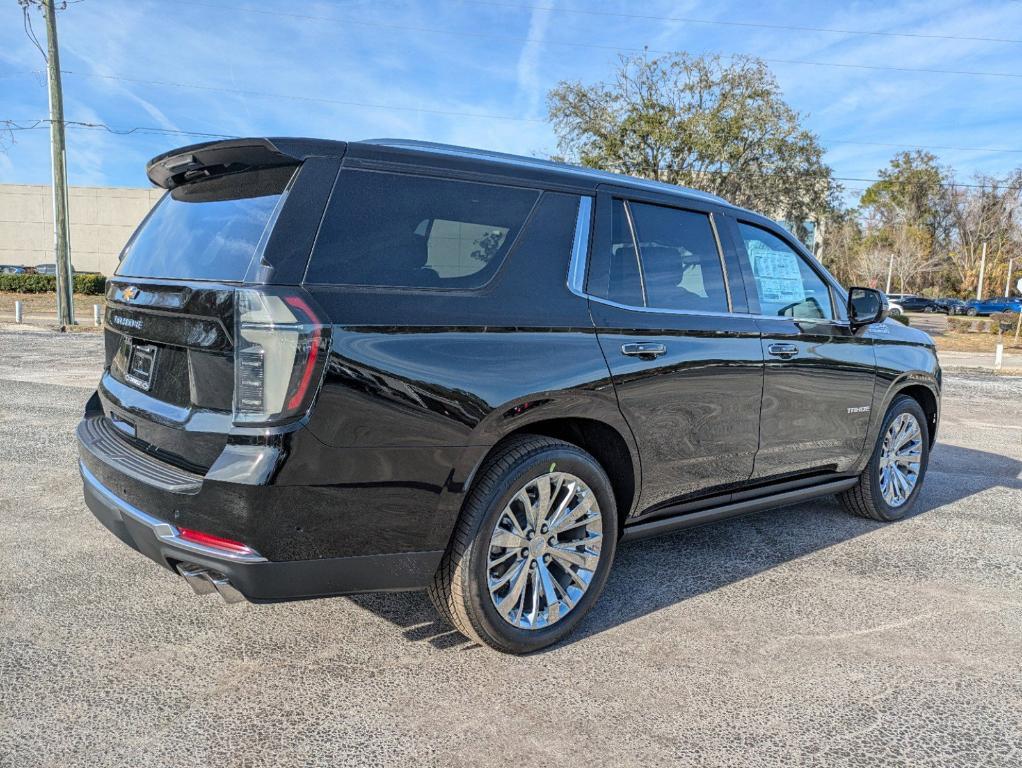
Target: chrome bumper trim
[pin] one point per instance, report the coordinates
(163, 531)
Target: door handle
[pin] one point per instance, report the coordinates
(644, 349)
(783, 351)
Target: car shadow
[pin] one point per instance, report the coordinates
(652, 574)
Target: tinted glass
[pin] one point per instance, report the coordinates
(785, 283)
(413, 231)
(206, 230)
(680, 262)
(625, 285)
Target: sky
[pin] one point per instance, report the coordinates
(476, 73)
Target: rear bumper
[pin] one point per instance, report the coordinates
(255, 577)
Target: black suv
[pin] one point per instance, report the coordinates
(388, 365)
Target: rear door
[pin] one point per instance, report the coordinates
(684, 356)
(171, 306)
(819, 376)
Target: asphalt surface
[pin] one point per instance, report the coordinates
(800, 636)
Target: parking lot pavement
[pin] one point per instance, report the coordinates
(797, 636)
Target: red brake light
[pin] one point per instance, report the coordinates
(310, 363)
(217, 542)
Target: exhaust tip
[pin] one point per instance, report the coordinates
(205, 582)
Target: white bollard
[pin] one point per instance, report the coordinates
(18, 313)
(998, 357)
(95, 315)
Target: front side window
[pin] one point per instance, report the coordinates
(396, 230)
(785, 284)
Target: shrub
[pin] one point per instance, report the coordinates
(903, 319)
(968, 324)
(89, 284)
(1003, 321)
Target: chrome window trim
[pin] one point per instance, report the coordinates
(626, 204)
(163, 531)
(580, 260)
(723, 263)
(580, 246)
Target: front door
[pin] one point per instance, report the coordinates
(819, 377)
(687, 369)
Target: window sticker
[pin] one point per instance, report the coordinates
(778, 277)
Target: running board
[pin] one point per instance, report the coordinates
(692, 519)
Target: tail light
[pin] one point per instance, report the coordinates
(280, 351)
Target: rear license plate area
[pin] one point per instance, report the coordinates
(141, 368)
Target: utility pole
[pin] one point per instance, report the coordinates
(1007, 283)
(982, 269)
(58, 159)
(890, 271)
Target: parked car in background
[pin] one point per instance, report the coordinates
(894, 308)
(984, 307)
(11, 269)
(910, 303)
(392, 365)
(45, 269)
(950, 306)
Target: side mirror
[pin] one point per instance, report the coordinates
(866, 306)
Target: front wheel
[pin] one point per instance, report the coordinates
(888, 487)
(532, 548)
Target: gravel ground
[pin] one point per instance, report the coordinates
(799, 636)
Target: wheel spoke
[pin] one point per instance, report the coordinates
(584, 559)
(553, 604)
(520, 574)
(508, 539)
(570, 516)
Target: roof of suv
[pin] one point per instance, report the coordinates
(577, 172)
(178, 165)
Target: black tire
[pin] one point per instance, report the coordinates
(929, 309)
(459, 588)
(971, 312)
(865, 498)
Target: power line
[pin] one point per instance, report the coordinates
(15, 125)
(594, 46)
(480, 115)
(746, 24)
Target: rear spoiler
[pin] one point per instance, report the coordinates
(216, 158)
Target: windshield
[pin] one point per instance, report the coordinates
(207, 230)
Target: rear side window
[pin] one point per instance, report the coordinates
(673, 262)
(207, 230)
(681, 265)
(397, 230)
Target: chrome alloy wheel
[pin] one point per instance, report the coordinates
(544, 550)
(900, 459)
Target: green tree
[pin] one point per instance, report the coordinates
(701, 121)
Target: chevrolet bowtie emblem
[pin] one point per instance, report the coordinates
(130, 292)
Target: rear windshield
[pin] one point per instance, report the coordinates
(388, 229)
(207, 230)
